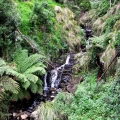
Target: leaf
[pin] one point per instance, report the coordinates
(34, 69)
(30, 61)
(34, 88)
(9, 84)
(32, 78)
(25, 85)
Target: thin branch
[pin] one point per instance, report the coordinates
(26, 39)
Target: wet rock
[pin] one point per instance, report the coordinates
(24, 116)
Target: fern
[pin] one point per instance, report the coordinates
(34, 87)
(30, 61)
(26, 71)
(25, 85)
(9, 84)
(19, 57)
(35, 69)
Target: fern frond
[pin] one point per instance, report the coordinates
(32, 78)
(40, 64)
(39, 82)
(22, 94)
(25, 85)
(33, 69)
(30, 61)
(19, 76)
(34, 88)
(19, 58)
(39, 90)
(9, 84)
(3, 69)
(2, 62)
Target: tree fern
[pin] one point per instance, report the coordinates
(25, 85)
(26, 71)
(35, 69)
(9, 84)
(30, 61)
(19, 57)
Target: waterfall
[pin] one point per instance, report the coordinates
(55, 76)
(67, 60)
(45, 88)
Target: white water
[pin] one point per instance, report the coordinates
(45, 82)
(54, 74)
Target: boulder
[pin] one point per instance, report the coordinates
(107, 58)
(82, 61)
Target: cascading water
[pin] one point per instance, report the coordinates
(45, 89)
(51, 83)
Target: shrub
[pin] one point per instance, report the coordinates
(90, 101)
(103, 7)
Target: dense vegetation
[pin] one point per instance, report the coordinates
(35, 32)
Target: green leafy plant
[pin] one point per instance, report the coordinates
(110, 22)
(9, 20)
(7, 83)
(45, 111)
(103, 7)
(7, 86)
(90, 101)
(27, 72)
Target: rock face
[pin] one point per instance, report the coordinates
(82, 61)
(71, 31)
(107, 57)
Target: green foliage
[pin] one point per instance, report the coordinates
(7, 83)
(103, 7)
(25, 11)
(110, 22)
(9, 20)
(4, 107)
(43, 16)
(84, 4)
(117, 42)
(27, 71)
(45, 112)
(90, 101)
(47, 32)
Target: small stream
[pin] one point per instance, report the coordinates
(22, 109)
(54, 81)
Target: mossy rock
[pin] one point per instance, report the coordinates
(83, 61)
(98, 26)
(88, 16)
(117, 25)
(107, 57)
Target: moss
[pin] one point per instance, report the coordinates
(117, 25)
(25, 10)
